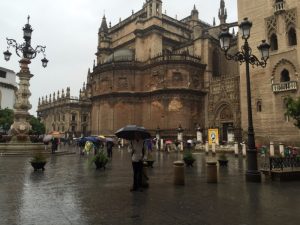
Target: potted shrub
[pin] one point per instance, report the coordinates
(150, 160)
(223, 160)
(38, 161)
(188, 158)
(100, 160)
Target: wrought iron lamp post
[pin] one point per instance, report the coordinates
(26, 52)
(246, 56)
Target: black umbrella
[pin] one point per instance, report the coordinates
(128, 132)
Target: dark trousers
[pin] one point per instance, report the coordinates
(137, 174)
(109, 152)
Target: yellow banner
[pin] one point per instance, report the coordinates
(213, 136)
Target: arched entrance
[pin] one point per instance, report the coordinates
(225, 121)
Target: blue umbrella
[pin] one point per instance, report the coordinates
(90, 138)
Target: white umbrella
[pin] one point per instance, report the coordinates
(47, 138)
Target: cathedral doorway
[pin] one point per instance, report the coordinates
(225, 122)
(227, 132)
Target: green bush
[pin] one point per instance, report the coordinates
(188, 156)
(38, 158)
(100, 157)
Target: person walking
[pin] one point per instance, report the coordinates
(109, 147)
(137, 155)
(54, 145)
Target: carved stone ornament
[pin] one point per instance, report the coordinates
(123, 82)
(175, 105)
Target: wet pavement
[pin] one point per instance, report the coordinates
(71, 191)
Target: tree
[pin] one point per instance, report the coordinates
(6, 119)
(37, 127)
(293, 110)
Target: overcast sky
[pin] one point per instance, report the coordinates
(68, 29)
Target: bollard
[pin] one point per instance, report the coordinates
(236, 149)
(272, 153)
(281, 149)
(178, 172)
(206, 147)
(213, 148)
(244, 149)
(211, 172)
(161, 144)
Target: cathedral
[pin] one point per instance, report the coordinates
(158, 72)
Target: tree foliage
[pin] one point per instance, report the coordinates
(293, 110)
(6, 119)
(37, 127)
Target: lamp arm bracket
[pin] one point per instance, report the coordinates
(244, 56)
(14, 44)
(238, 56)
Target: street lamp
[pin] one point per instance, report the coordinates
(245, 55)
(26, 52)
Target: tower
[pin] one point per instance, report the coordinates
(104, 42)
(195, 14)
(222, 12)
(154, 8)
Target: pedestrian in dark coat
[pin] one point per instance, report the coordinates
(54, 145)
(109, 147)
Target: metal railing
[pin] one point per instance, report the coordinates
(174, 57)
(284, 162)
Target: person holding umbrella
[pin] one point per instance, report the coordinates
(136, 135)
(137, 155)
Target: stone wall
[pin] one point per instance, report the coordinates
(270, 123)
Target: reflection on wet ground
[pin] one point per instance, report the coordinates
(71, 191)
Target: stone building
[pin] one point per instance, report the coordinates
(64, 113)
(277, 21)
(159, 72)
(8, 87)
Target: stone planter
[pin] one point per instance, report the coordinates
(189, 162)
(100, 164)
(38, 165)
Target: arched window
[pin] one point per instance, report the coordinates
(259, 106)
(273, 42)
(285, 76)
(73, 118)
(215, 63)
(292, 36)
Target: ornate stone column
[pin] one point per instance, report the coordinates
(21, 127)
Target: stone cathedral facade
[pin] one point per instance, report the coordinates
(161, 73)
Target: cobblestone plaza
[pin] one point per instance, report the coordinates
(71, 191)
